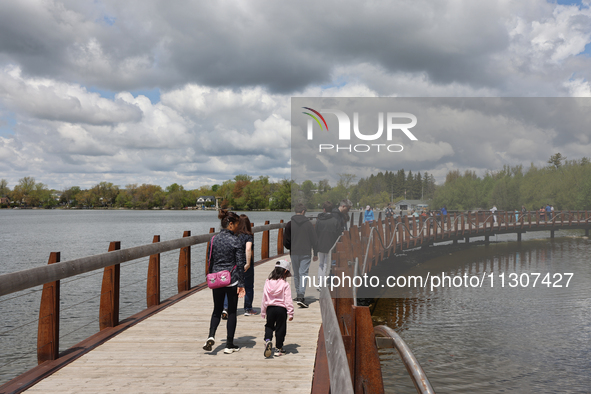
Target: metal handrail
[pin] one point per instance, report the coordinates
(336, 355)
(416, 372)
(22, 280)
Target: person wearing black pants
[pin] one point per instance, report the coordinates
(226, 254)
(218, 302)
(277, 322)
(276, 307)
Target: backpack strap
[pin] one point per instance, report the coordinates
(210, 248)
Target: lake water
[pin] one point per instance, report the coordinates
(28, 236)
(468, 340)
(494, 339)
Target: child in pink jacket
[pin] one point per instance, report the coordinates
(277, 305)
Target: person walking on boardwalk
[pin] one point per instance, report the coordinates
(341, 213)
(493, 210)
(247, 237)
(368, 216)
(276, 307)
(300, 239)
(327, 232)
(389, 212)
(245, 234)
(443, 216)
(226, 253)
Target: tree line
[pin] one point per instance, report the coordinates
(376, 190)
(565, 184)
(241, 193)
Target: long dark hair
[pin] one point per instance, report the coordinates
(244, 226)
(226, 217)
(279, 273)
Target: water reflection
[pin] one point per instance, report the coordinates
(494, 339)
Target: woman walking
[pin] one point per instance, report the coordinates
(226, 253)
(247, 237)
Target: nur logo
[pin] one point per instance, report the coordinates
(344, 132)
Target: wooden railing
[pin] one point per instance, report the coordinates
(364, 246)
(49, 276)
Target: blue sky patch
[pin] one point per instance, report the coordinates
(109, 20)
(570, 2)
(7, 124)
(152, 94)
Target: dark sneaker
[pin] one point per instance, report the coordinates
(301, 302)
(250, 311)
(268, 349)
(209, 344)
(279, 352)
(224, 315)
(231, 349)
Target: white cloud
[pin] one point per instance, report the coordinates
(227, 71)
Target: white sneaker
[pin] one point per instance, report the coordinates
(230, 350)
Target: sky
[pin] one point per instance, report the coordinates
(197, 92)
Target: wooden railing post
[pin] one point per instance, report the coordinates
(265, 244)
(211, 230)
(280, 239)
(415, 224)
(368, 373)
(400, 229)
(184, 275)
(153, 285)
(49, 318)
(109, 307)
(529, 218)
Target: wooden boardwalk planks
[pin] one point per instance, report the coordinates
(164, 353)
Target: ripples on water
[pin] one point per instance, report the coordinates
(494, 339)
(28, 236)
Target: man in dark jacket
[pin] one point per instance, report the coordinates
(342, 214)
(300, 239)
(327, 232)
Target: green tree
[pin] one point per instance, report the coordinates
(556, 160)
(4, 189)
(22, 192)
(281, 199)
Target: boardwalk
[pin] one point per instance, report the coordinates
(164, 354)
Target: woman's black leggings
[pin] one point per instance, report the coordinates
(218, 306)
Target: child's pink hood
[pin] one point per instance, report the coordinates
(277, 293)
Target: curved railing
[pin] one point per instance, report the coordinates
(416, 372)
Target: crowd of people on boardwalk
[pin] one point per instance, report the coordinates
(231, 250)
(546, 213)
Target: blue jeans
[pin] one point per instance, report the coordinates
(301, 265)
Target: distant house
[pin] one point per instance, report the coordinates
(4, 200)
(204, 199)
(409, 205)
(207, 200)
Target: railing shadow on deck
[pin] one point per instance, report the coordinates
(48, 355)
